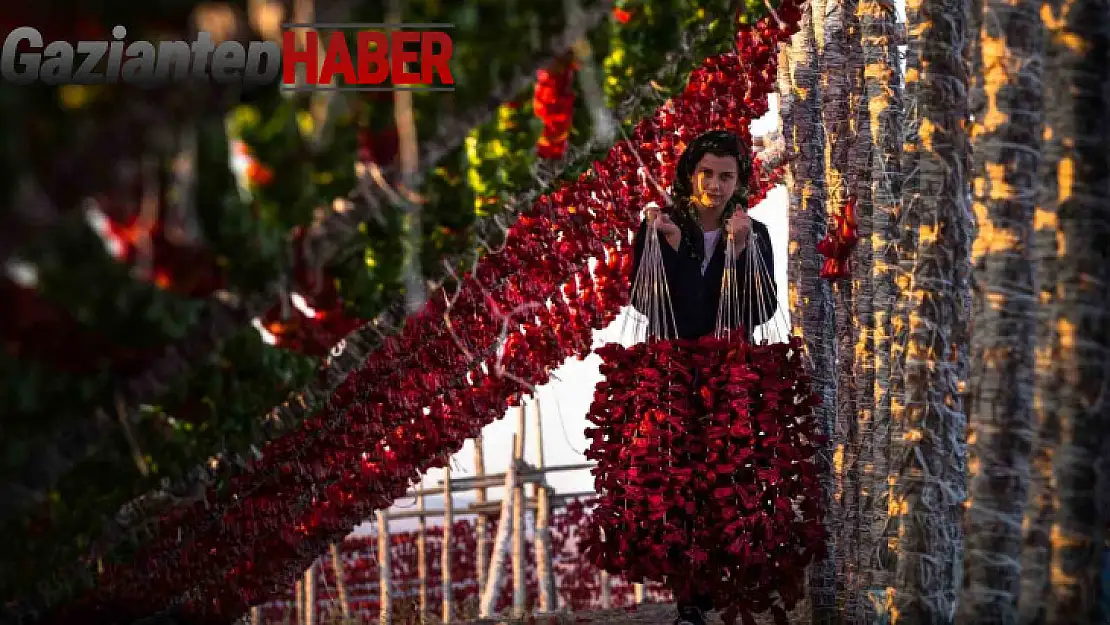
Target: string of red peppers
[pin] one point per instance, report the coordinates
(705, 455)
(553, 103)
(839, 241)
(444, 377)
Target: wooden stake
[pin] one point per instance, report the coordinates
(385, 614)
(298, 588)
(520, 589)
(422, 559)
(483, 521)
(500, 546)
(639, 590)
(256, 615)
(448, 521)
(310, 595)
(340, 582)
(606, 596)
(548, 597)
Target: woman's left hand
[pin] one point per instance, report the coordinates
(740, 227)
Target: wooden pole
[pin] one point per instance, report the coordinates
(448, 522)
(606, 595)
(519, 588)
(547, 595)
(422, 559)
(500, 546)
(340, 582)
(385, 614)
(483, 521)
(298, 588)
(310, 595)
(639, 590)
(256, 615)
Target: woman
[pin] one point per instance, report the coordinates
(710, 196)
(710, 193)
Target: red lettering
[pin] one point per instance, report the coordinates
(398, 57)
(337, 47)
(431, 59)
(291, 57)
(373, 50)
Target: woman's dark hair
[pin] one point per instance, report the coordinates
(717, 143)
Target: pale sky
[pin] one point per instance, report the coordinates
(566, 399)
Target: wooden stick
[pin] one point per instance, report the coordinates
(483, 522)
(310, 595)
(256, 615)
(547, 595)
(493, 480)
(639, 590)
(340, 582)
(554, 500)
(520, 588)
(422, 559)
(606, 595)
(500, 547)
(298, 588)
(385, 613)
(409, 154)
(448, 521)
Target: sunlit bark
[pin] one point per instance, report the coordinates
(927, 405)
(1064, 531)
(1007, 148)
(879, 195)
(811, 308)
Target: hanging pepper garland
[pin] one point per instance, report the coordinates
(839, 242)
(553, 103)
(441, 380)
(711, 484)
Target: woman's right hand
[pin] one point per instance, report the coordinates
(664, 225)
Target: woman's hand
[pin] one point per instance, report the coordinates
(664, 225)
(740, 227)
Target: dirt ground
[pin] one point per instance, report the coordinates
(646, 614)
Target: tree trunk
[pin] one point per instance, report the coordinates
(882, 97)
(1007, 148)
(930, 467)
(861, 313)
(1063, 543)
(845, 167)
(811, 306)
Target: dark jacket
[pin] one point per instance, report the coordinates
(694, 296)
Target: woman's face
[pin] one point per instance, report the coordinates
(715, 179)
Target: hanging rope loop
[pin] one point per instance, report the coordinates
(650, 292)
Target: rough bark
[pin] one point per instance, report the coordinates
(928, 490)
(811, 305)
(858, 382)
(1007, 148)
(880, 35)
(1064, 535)
(836, 116)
